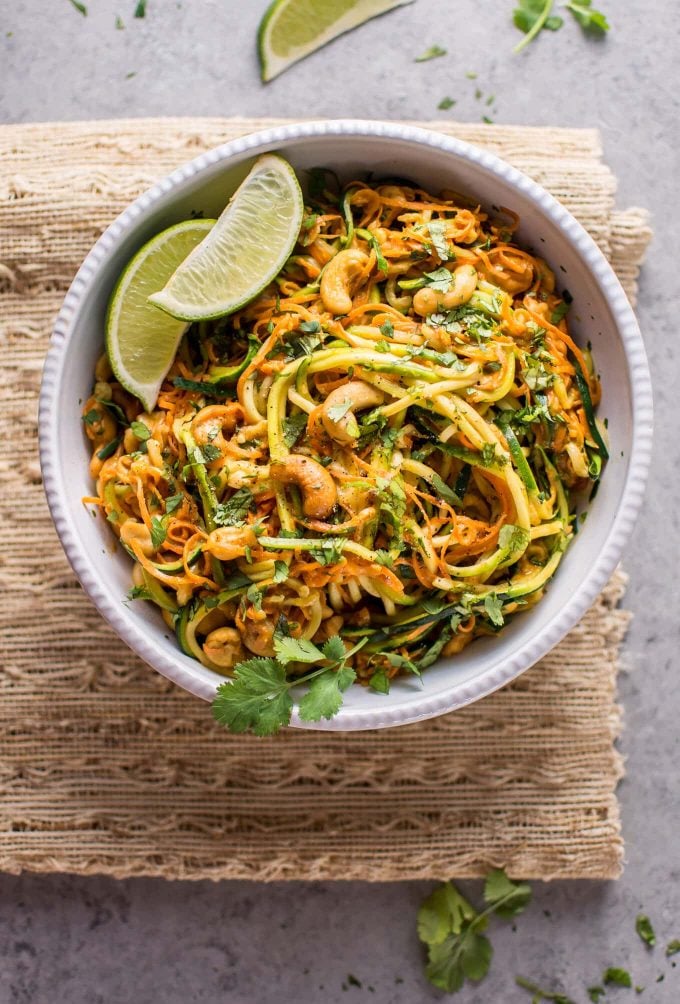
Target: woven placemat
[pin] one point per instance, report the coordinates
(106, 767)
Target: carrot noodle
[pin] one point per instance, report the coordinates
(400, 464)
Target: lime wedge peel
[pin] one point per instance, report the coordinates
(245, 250)
(141, 341)
(292, 29)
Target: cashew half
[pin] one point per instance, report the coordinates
(319, 494)
(356, 395)
(228, 543)
(464, 282)
(338, 279)
(224, 647)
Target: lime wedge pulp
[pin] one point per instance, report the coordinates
(245, 250)
(291, 29)
(141, 340)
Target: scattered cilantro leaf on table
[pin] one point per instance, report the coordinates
(589, 19)
(432, 53)
(451, 928)
(446, 103)
(542, 995)
(80, 7)
(594, 994)
(619, 977)
(645, 930)
(140, 9)
(533, 16)
(673, 947)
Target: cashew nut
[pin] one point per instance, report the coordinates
(338, 280)
(230, 542)
(224, 647)
(357, 395)
(464, 282)
(256, 635)
(209, 424)
(319, 494)
(103, 428)
(132, 532)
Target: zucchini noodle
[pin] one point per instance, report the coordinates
(386, 444)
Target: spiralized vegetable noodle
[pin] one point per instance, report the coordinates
(384, 445)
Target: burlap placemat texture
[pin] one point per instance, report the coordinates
(105, 767)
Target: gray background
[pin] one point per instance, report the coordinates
(74, 940)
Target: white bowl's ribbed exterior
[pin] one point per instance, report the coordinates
(386, 712)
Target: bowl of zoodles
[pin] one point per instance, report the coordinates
(363, 416)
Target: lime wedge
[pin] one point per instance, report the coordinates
(141, 341)
(245, 250)
(291, 29)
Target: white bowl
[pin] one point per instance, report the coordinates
(601, 314)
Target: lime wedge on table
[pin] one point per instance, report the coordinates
(141, 340)
(291, 29)
(244, 251)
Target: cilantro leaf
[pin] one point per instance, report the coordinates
(456, 958)
(139, 593)
(293, 427)
(387, 328)
(281, 571)
(589, 19)
(673, 947)
(619, 977)
(443, 490)
(542, 995)
(432, 53)
(80, 7)
(439, 280)
(296, 650)
(513, 538)
(560, 311)
(594, 993)
(210, 452)
(140, 430)
(531, 17)
(505, 897)
(324, 697)
(439, 241)
(337, 411)
(334, 649)
(380, 682)
(234, 511)
(446, 103)
(644, 928)
(158, 531)
(494, 609)
(173, 502)
(140, 9)
(443, 912)
(257, 698)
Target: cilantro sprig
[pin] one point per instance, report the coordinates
(534, 16)
(452, 929)
(258, 698)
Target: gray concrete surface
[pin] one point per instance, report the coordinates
(92, 940)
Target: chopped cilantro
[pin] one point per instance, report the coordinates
(141, 431)
(210, 452)
(445, 104)
(494, 609)
(589, 19)
(432, 53)
(234, 511)
(281, 571)
(158, 531)
(80, 7)
(293, 426)
(439, 242)
(644, 928)
(619, 977)
(673, 947)
(173, 502)
(140, 9)
(387, 328)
